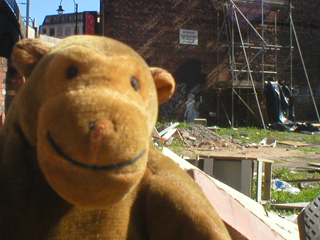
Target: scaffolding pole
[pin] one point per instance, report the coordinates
(304, 66)
(262, 56)
(230, 6)
(249, 70)
(229, 23)
(233, 68)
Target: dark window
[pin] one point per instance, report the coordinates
(51, 32)
(59, 31)
(44, 31)
(67, 31)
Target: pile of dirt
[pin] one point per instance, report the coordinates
(201, 137)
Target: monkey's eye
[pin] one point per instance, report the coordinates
(134, 83)
(72, 72)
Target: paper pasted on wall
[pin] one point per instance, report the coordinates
(188, 37)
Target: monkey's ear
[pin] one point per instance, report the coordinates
(164, 82)
(27, 53)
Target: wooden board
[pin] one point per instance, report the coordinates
(155, 132)
(228, 157)
(310, 169)
(293, 143)
(314, 164)
(304, 180)
(168, 128)
(216, 129)
(169, 133)
(290, 206)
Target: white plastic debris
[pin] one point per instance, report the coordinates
(267, 142)
(280, 185)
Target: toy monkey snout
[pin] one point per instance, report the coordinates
(97, 128)
(100, 130)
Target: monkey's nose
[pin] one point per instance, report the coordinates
(99, 130)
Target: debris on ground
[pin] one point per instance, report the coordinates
(293, 143)
(198, 136)
(204, 138)
(201, 137)
(280, 185)
(268, 142)
(311, 168)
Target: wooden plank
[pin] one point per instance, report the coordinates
(155, 132)
(215, 128)
(180, 161)
(160, 138)
(169, 133)
(293, 143)
(229, 157)
(201, 121)
(259, 181)
(178, 134)
(314, 164)
(168, 128)
(265, 160)
(304, 180)
(208, 166)
(246, 177)
(309, 168)
(267, 181)
(290, 206)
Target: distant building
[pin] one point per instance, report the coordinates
(214, 49)
(64, 25)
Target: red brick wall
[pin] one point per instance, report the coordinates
(3, 72)
(307, 24)
(152, 28)
(14, 80)
(10, 82)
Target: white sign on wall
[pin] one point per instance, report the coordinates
(189, 37)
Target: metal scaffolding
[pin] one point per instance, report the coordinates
(252, 57)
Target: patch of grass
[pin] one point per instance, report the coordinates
(310, 149)
(176, 146)
(282, 212)
(286, 174)
(184, 124)
(255, 135)
(305, 195)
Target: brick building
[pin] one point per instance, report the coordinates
(200, 43)
(10, 33)
(64, 25)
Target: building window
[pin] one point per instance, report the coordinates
(59, 31)
(67, 31)
(51, 32)
(78, 30)
(44, 31)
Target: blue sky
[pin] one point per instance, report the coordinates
(40, 8)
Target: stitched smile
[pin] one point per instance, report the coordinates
(92, 167)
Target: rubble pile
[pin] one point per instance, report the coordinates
(200, 136)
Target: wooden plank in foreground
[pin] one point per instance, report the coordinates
(290, 206)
